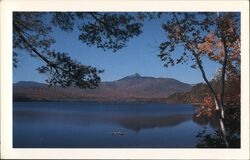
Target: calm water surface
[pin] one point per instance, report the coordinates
(83, 125)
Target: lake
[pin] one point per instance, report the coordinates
(89, 125)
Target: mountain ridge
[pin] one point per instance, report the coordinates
(132, 88)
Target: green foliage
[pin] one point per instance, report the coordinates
(32, 33)
(109, 31)
(67, 72)
(215, 140)
(210, 140)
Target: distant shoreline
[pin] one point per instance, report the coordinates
(108, 102)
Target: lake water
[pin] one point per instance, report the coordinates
(83, 125)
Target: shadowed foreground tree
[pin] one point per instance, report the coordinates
(232, 114)
(214, 35)
(32, 33)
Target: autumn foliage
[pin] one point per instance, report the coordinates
(203, 37)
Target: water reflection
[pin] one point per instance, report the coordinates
(134, 122)
(204, 120)
(143, 122)
(53, 124)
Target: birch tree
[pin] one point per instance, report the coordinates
(215, 36)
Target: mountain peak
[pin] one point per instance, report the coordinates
(136, 75)
(132, 76)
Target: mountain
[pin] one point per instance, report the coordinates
(195, 96)
(29, 84)
(133, 88)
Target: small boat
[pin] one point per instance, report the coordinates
(119, 133)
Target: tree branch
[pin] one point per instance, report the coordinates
(19, 32)
(198, 61)
(99, 20)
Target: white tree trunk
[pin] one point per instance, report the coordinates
(216, 105)
(224, 132)
(220, 110)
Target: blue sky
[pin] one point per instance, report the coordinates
(140, 56)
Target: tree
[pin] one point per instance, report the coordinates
(31, 32)
(215, 35)
(232, 114)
